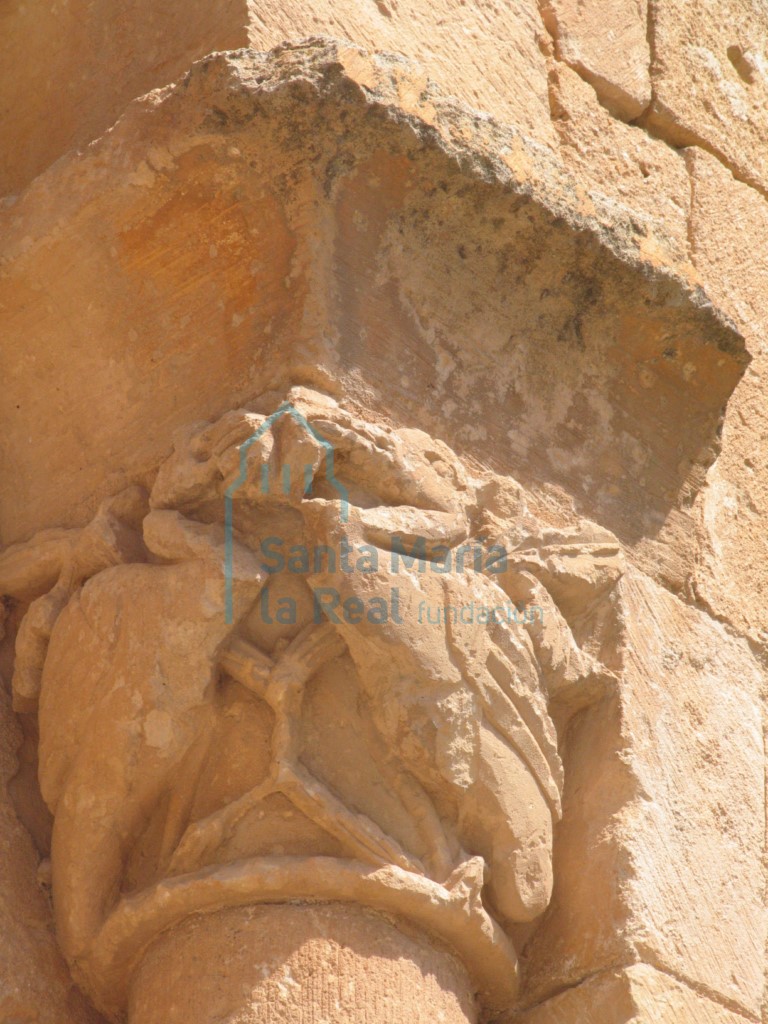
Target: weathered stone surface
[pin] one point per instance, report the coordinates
(330, 964)
(619, 167)
(220, 208)
(666, 780)
(728, 230)
(608, 46)
(85, 60)
(710, 81)
(34, 981)
(520, 325)
(651, 769)
(91, 58)
(486, 53)
(633, 995)
(214, 776)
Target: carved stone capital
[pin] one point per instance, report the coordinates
(319, 664)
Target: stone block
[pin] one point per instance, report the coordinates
(608, 45)
(729, 225)
(660, 853)
(710, 80)
(637, 994)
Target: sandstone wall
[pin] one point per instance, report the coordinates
(651, 119)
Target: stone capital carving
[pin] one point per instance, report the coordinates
(311, 684)
(321, 660)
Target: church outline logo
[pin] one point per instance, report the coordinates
(286, 409)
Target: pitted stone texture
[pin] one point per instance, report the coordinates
(660, 853)
(484, 53)
(35, 985)
(608, 45)
(92, 57)
(632, 995)
(558, 329)
(324, 964)
(83, 61)
(710, 80)
(620, 167)
(313, 212)
(403, 762)
(729, 227)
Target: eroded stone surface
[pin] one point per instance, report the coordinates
(526, 292)
(35, 984)
(541, 284)
(486, 54)
(635, 995)
(328, 964)
(656, 776)
(621, 167)
(91, 58)
(729, 226)
(710, 80)
(457, 721)
(608, 46)
(355, 701)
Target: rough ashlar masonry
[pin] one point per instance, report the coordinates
(384, 511)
